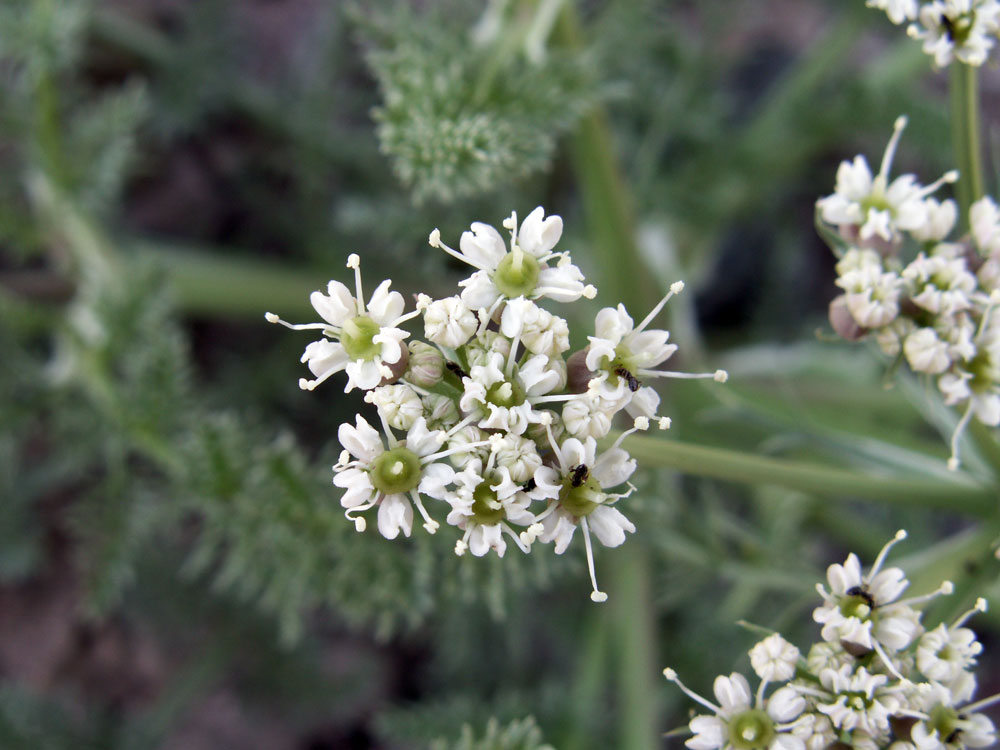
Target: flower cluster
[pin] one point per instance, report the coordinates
(963, 30)
(927, 297)
(877, 679)
(489, 417)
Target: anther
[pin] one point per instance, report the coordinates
(353, 261)
(720, 376)
(434, 240)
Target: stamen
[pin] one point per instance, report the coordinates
(596, 595)
(900, 536)
(547, 422)
(885, 660)
(462, 545)
(272, 318)
(760, 693)
(890, 150)
(980, 606)
(945, 589)
(641, 423)
(511, 223)
(310, 385)
(467, 448)
(387, 430)
(487, 316)
(525, 548)
(429, 523)
(404, 318)
(945, 179)
(676, 288)
(954, 461)
(973, 707)
(672, 676)
(719, 376)
(353, 261)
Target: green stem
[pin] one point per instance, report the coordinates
(606, 203)
(637, 660)
(718, 463)
(966, 142)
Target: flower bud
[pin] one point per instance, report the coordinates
(578, 375)
(843, 322)
(426, 366)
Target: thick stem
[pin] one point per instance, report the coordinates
(927, 492)
(966, 142)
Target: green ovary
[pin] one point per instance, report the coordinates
(855, 606)
(945, 720)
(583, 500)
(751, 730)
(483, 501)
(356, 338)
(506, 393)
(517, 274)
(396, 471)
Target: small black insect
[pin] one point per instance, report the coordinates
(456, 368)
(860, 592)
(529, 485)
(949, 27)
(579, 475)
(633, 383)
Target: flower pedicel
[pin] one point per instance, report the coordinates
(487, 423)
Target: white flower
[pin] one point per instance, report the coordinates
(984, 218)
(398, 404)
(858, 700)
(926, 352)
(621, 353)
(522, 272)
(580, 487)
(519, 456)
(863, 609)
(939, 283)
(941, 218)
(503, 395)
(871, 205)
(740, 722)
(362, 339)
(448, 322)
(815, 730)
(962, 29)
(975, 382)
(944, 722)
(774, 659)
(871, 295)
(591, 415)
(488, 500)
(391, 477)
(890, 338)
(540, 331)
(897, 10)
(944, 653)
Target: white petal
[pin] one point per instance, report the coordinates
(537, 235)
(394, 514)
(362, 442)
(609, 525)
(385, 306)
(337, 305)
(483, 246)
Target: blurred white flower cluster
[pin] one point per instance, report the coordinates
(487, 422)
(926, 296)
(877, 679)
(963, 30)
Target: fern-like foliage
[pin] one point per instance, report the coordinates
(522, 734)
(460, 116)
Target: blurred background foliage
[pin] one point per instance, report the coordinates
(175, 571)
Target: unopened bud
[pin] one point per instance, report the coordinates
(842, 322)
(426, 364)
(577, 374)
